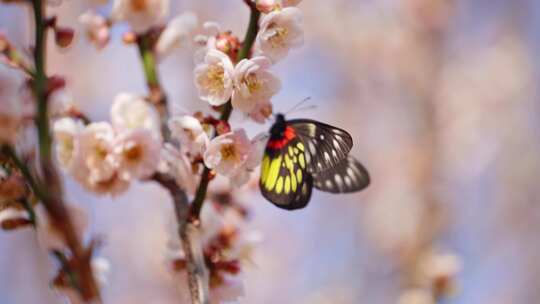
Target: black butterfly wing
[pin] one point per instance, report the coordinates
(325, 145)
(285, 180)
(349, 175)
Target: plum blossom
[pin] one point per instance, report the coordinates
(14, 218)
(140, 14)
(267, 6)
(228, 152)
(12, 107)
(136, 154)
(93, 159)
(190, 133)
(214, 77)
(130, 111)
(416, 296)
(286, 3)
(207, 40)
(65, 131)
(253, 83)
(227, 246)
(261, 112)
(176, 164)
(279, 32)
(241, 175)
(176, 34)
(101, 268)
(97, 28)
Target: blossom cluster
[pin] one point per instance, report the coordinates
(139, 141)
(104, 157)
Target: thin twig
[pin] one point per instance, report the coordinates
(247, 44)
(52, 198)
(196, 270)
(188, 218)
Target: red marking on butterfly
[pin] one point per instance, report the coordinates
(279, 143)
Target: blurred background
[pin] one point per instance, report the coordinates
(440, 97)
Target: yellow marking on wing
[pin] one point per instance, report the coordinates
(288, 162)
(293, 180)
(296, 150)
(264, 168)
(279, 185)
(287, 185)
(302, 161)
(300, 146)
(299, 176)
(291, 151)
(273, 174)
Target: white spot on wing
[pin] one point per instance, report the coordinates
(348, 181)
(339, 181)
(326, 156)
(329, 184)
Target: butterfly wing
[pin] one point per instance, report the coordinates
(347, 176)
(285, 180)
(326, 146)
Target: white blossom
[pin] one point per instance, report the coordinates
(140, 14)
(12, 106)
(214, 77)
(207, 40)
(228, 152)
(101, 268)
(286, 3)
(65, 131)
(129, 112)
(230, 291)
(97, 29)
(279, 31)
(176, 164)
(137, 154)
(242, 174)
(267, 6)
(190, 133)
(176, 34)
(93, 159)
(253, 83)
(261, 112)
(416, 296)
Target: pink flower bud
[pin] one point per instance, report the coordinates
(266, 6)
(63, 36)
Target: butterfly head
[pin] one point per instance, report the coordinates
(278, 128)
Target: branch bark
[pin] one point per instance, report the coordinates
(188, 218)
(52, 197)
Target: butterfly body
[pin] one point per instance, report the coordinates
(301, 154)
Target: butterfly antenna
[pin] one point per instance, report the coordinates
(296, 106)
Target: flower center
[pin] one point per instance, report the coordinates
(133, 153)
(279, 36)
(138, 5)
(252, 83)
(215, 78)
(100, 152)
(228, 152)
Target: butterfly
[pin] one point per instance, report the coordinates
(301, 154)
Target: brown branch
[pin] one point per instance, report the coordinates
(188, 218)
(247, 44)
(52, 197)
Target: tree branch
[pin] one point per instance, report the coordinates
(247, 44)
(188, 218)
(52, 198)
